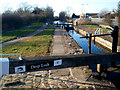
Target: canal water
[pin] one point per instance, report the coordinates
(114, 77)
(84, 43)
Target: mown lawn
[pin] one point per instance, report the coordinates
(39, 45)
(94, 27)
(10, 35)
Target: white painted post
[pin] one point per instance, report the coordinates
(4, 66)
(61, 26)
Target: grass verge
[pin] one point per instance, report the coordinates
(39, 45)
(10, 35)
(94, 27)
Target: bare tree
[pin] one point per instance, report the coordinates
(68, 10)
(8, 11)
(25, 8)
(108, 19)
(103, 12)
(25, 16)
(37, 10)
(49, 13)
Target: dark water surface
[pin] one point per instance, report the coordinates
(84, 43)
(112, 76)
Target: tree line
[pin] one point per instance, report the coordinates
(24, 16)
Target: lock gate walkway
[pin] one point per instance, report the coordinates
(77, 77)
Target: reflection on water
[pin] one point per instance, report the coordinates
(84, 43)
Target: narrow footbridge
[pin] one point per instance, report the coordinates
(67, 26)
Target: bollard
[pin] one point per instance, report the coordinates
(76, 23)
(57, 24)
(63, 27)
(114, 43)
(67, 27)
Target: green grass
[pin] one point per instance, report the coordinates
(10, 35)
(39, 45)
(94, 27)
(51, 25)
(91, 26)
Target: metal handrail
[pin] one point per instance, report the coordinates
(95, 35)
(20, 58)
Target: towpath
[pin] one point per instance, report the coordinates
(78, 77)
(19, 39)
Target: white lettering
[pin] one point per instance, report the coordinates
(46, 65)
(42, 65)
(38, 66)
(35, 67)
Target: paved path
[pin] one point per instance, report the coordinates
(19, 39)
(77, 77)
(58, 48)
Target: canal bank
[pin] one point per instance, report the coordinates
(108, 47)
(113, 72)
(79, 74)
(105, 42)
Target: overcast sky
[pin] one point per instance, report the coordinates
(74, 6)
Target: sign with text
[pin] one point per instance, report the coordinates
(45, 64)
(39, 66)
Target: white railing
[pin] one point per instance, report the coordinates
(20, 58)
